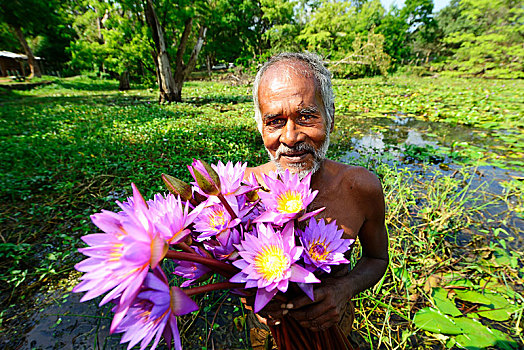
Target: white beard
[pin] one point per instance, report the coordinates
(318, 157)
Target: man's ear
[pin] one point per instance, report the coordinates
(333, 117)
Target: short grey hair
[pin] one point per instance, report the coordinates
(320, 73)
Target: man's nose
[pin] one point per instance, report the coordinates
(291, 134)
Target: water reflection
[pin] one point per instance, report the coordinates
(395, 131)
(415, 138)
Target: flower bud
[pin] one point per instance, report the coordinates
(177, 187)
(206, 177)
(252, 196)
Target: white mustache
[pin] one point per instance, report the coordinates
(300, 147)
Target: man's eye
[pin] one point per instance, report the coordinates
(306, 117)
(274, 122)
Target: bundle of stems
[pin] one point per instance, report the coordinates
(289, 335)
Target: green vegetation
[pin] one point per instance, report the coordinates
(443, 287)
(72, 148)
(159, 43)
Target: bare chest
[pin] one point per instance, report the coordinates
(341, 205)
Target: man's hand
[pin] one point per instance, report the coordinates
(331, 298)
(270, 315)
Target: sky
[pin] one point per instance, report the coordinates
(439, 4)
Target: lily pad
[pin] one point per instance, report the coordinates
(503, 341)
(470, 326)
(443, 303)
(498, 301)
(432, 320)
(461, 283)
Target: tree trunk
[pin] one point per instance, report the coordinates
(166, 83)
(123, 81)
(182, 70)
(33, 65)
(208, 64)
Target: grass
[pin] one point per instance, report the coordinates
(72, 148)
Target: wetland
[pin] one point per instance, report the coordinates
(449, 153)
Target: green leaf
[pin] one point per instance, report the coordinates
(473, 341)
(470, 326)
(498, 301)
(498, 310)
(503, 341)
(431, 320)
(478, 336)
(443, 304)
(495, 315)
(472, 297)
(462, 283)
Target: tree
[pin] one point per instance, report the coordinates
(280, 27)
(366, 58)
(328, 29)
(128, 38)
(114, 40)
(232, 22)
(28, 16)
(343, 31)
(395, 29)
(488, 41)
(171, 86)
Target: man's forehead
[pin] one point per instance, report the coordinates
(287, 71)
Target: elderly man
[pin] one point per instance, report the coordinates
(294, 110)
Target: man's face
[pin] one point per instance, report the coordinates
(294, 126)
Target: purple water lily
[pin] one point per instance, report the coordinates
(119, 259)
(287, 199)
(172, 217)
(225, 250)
(232, 189)
(153, 313)
(268, 263)
(230, 176)
(214, 221)
(190, 270)
(323, 245)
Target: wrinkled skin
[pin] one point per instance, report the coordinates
(293, 113)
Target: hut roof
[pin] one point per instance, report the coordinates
(15, 55)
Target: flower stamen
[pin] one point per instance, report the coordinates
(290, 202)
(271, 262)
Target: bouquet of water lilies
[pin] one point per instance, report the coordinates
(222, 223)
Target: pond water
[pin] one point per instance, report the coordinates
(407, 138)
(57, 320)
(406, 142)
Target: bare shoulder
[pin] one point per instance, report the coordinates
(355, 178)
(259, 170)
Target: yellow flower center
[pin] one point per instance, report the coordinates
(217, 219)
(271, 262)
(290, 202)
(318, 251)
